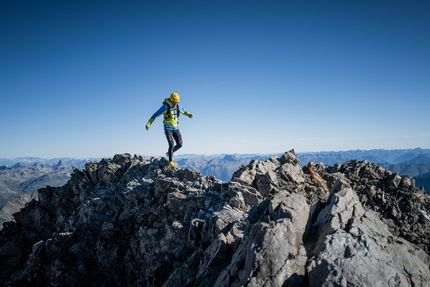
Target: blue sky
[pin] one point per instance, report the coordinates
(81, 78)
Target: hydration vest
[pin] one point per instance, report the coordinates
(171, 109)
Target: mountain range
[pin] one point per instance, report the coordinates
(19, 183)
(29, 161)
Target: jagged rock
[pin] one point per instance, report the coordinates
(410, 223)
(133, 221)
(353, 241)
(272, 252)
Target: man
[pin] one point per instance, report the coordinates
(171, 111)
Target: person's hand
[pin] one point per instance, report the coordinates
(147, 127)
(191, 115)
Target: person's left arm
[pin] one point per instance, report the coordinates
(184, 112)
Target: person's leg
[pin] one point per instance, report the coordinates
(178, 139)
(169, 138)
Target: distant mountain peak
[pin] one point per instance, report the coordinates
(19, 165)
(61, 163)
(229, 157)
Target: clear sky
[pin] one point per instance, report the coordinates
(81, 78)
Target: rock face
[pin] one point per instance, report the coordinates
(130, 221)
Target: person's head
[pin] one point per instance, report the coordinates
(174, 98)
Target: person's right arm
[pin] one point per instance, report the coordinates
(155, 115)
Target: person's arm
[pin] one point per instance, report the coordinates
(182, 111)
(156, 115)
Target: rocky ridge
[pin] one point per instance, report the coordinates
(133, 221)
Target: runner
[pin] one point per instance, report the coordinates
(171, 111)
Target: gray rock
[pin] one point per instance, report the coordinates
(355, 247)
(133, 221)
(272, 252)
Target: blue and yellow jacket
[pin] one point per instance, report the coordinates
(170, 113)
